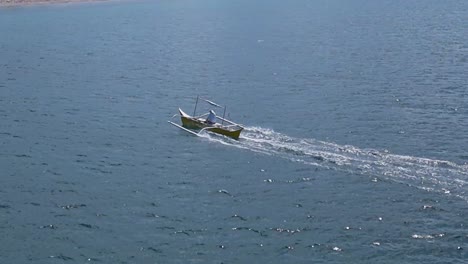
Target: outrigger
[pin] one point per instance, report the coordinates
(197, 124)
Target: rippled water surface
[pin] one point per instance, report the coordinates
(354, 148)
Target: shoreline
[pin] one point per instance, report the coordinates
(14, 3)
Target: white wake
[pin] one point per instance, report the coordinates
(429, 174)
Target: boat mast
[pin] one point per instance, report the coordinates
(224, 113)
(195, 109)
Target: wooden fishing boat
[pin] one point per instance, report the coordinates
(197, 124)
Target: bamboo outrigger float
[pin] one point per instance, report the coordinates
(197, 124)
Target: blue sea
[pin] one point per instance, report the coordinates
(355, 147)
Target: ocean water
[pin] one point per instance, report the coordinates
(354, 151)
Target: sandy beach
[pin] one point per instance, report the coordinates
(6, 3)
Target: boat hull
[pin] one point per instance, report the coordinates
(235, 134)
(193, 123)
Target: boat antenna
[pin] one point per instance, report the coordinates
(195, 109)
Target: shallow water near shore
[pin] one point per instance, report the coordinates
(354, 149)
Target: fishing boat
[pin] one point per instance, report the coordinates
(197, 124)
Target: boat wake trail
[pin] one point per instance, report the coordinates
(428, 174)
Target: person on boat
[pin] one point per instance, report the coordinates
(211, 119)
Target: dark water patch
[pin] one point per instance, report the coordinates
(289, 231)
(315, 245)
(180, 183)
(61, 257)
(59, 191)
(65, 182)
(300, 180)
(72, 206)
(70, 113)
(153, 215)
(287, 248)
(88, 259)
(109, 163)
(239, 217)
(430, 208)
(182, 232)
(88, 226)
(223, 191)
(460, 237)
(101, 215)
(50, 226)
(4, 206)
(99, 170)
(155, 250)
(61, 215)
(127, 126)
(464, 157)
(23, 156)
(190, 232)
(53, 172)
(256, 231)
(306, 169)
(71, 110)
(326, 247)
(35, 204)
(165, 228)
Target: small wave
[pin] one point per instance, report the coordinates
(428, 174)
